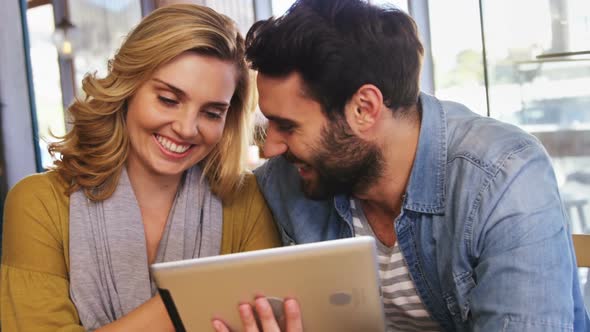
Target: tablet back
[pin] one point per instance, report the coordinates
(335, 282)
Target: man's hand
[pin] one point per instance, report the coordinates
(268, 322)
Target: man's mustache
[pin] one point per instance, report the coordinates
(290, 157)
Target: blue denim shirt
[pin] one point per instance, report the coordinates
(482, 229)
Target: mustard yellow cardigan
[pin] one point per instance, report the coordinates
(35, 249)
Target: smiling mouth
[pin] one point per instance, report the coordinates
(304, 170)
(171, 146)
(303, 167)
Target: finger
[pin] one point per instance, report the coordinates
(267, 317)
(293, 316)
(219, 326)
(247, 317)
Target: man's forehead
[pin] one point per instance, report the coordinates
(292, 83)
(285, 100)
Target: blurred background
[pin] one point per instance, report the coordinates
(525, 62)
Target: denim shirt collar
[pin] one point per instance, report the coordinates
(426, 188)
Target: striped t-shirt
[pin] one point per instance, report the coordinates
(404, 310)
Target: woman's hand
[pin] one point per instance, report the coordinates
(267, 321)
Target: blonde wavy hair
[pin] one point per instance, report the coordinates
(93, 153)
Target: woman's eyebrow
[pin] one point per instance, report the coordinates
(176, 90)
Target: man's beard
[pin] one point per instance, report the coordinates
(345, 163)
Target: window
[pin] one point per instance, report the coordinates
(457, 53)
(539, 74)
(279, 7)
(401, 4)
(537, 60)
(102, 25)
(46, 78)
(242, 12)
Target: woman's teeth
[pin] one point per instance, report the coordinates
(171, 146)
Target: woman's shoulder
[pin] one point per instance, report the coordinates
(245, 203)
(35, 224)
(37, 202)
(43, 193)
(247, 193)
(38, 187)
(43, 180)
(247, 221)
(249, 183)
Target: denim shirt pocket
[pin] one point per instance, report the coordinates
(458, 301)
(520, 325)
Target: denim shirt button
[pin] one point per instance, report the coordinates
(452, 305)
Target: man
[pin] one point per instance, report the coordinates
(466, 210)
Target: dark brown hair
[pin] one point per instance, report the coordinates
(339, 45)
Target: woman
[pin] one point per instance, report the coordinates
(152, 170)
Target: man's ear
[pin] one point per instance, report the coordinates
(364, 108)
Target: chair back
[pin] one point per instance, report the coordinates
(582, 249)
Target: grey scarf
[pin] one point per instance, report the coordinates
(109, 272)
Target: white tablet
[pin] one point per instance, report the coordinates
(335, 282)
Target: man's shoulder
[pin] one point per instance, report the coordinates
(300, 219)
(278, 174)
(483, 141)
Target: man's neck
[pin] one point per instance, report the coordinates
(399, 146)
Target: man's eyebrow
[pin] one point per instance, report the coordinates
(174, 89)
(281, 120)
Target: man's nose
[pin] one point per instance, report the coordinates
(274, 144)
